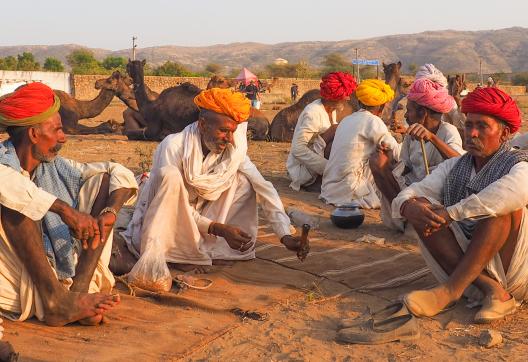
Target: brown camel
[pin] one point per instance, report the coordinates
(400, 87)
(455, 86)
(284, 122)
(171, 112)
(72, 110)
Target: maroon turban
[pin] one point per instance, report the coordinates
(493, 102)
(337, 86)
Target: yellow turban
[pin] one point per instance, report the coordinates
(374, 92)
(224, 101)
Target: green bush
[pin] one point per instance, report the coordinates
(53, 65)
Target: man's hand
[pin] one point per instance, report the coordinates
(383, 155)
(419, 132)
(236, 238)
(83, 226)
(425, 217)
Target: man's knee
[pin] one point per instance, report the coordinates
(244, 183)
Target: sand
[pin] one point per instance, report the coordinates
(303, 302)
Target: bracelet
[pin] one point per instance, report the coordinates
(110, 210)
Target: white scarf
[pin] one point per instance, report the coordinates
(211, 176)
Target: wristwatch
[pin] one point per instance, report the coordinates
(110, 210)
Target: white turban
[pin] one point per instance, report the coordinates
(429, 71)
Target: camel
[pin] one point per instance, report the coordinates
(72, 110)
(455, 86)
(394, 79)
(133, 120)
(284, 122)
(171, 112)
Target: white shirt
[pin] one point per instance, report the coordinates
(411, 152)
(501, 197)
(347, 175)
(306, 159)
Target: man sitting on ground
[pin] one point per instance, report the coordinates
(44, 222)
(200, 201)
(471, 215)
(315, 131)
(347, 176)
(427, 102)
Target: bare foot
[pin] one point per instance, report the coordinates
(73, 306)
(197, 269)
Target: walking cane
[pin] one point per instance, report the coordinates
(304, 248)
(424, 156)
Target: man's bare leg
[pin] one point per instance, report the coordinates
(90, 257)
(491, 236)
(60, 306)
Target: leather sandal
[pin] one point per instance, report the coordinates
(400, 328)
(493, 309)
(392, 310)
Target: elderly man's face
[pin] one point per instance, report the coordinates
(48, 139)
(412, 114)
(216, 131)
(484, 134)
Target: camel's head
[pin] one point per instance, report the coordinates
(456, 85)
(391, 70)
(135, 69)
(116, 83)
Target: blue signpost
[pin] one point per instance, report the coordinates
(359, 62)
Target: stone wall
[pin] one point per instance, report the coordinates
(83, 86)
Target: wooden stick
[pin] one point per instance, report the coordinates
(424, 156)
(304, 248)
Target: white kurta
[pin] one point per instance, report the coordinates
(411, 152)
(347, 175)
(411, 159)
(306, 159)
(502, 197)
(171, 211)
(19, 298)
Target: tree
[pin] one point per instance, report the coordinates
(82, 61)
(214, 68)
(53, 65)
(172, 69)
(8, 63)
(336, 62)
(26, 61)
(114, 63)
(520, 79)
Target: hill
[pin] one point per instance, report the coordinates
(504, 50)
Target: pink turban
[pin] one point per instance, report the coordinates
(337, 85)
(495, 103)
(431, 95)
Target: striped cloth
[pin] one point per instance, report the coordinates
(62, 180)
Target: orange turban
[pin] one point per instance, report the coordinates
(29, 105)
(233, 104)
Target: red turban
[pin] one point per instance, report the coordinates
(337, 85)
(28, 105)
(493, 102)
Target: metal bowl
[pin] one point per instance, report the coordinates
(347, 216)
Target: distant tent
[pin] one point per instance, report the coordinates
(246, 76)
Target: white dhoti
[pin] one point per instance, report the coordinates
(19, 298)
(514, 280)
(169, 218)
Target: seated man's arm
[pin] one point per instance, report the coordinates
(451, 147)
(309, 128)
(502, 197)
(431, 188)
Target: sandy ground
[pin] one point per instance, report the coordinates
(303, 301)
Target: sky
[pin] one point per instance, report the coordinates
(111, 24)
